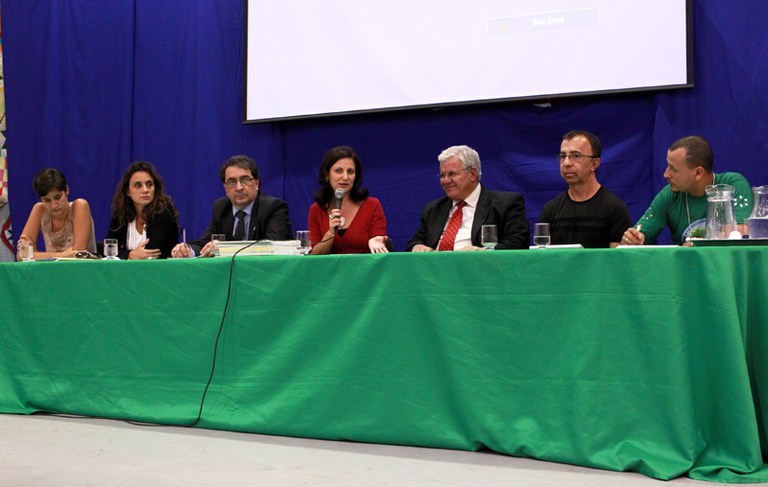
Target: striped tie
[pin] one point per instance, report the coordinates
(449, 236)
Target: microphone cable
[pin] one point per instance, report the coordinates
(218, 334)
(53, 412)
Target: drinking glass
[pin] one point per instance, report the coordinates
(216, 238)
(488, 236)
(541, 235)
(110, 249)
(26, 251)
(305, 241)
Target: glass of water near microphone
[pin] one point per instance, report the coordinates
(305, 241)
(541, 236)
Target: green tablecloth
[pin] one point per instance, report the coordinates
(651, 360)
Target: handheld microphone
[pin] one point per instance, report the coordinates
(339, 196)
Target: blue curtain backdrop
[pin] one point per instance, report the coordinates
(94, 85)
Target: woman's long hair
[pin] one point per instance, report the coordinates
(325, 194)
(122, 205)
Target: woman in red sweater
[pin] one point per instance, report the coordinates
(359, 225)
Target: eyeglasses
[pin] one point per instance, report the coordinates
(244, 181)
(575, 156)
(84, 254)
(449, 174)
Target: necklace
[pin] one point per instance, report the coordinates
(60, 238)
(687, 209)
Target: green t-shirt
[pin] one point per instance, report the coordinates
(685, 214)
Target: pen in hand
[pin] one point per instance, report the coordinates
(633, 236)
(182, 249)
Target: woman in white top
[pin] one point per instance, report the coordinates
(67, 227)
(144, 220)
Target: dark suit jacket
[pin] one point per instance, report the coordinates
(162, 231)
(504, 209)
(269, 220)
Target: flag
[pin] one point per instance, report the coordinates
(6, 235)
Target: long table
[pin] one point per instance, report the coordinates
(650, 360)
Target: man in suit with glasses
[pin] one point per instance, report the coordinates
(244, 214)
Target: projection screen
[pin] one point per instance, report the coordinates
(308, 58)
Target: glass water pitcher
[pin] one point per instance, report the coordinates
(758, 219)
(721, 220)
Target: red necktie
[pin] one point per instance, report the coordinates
(449, 236)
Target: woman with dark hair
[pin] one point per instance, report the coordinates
(144, 220)
(67, 226)
(359, 225)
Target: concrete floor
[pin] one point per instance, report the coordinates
(60, 451)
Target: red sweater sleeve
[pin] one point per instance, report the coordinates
(378, 224)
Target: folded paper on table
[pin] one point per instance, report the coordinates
(622, 246)
(261, 247)
(558, 246)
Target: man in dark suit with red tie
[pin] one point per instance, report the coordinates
(244, 214)
(454, 221)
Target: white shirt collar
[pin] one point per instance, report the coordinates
(471, 200)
